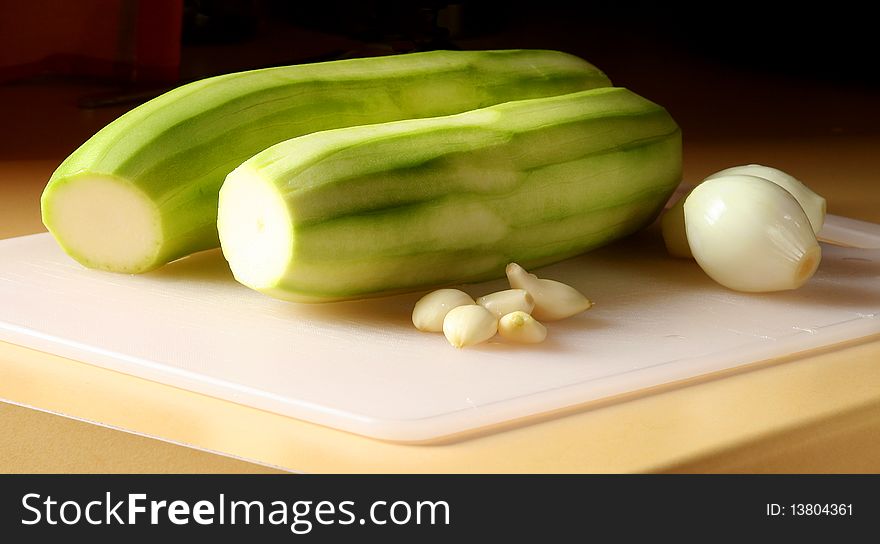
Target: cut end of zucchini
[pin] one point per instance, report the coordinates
(104, 222)
(255, 232)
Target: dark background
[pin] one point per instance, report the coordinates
(832, 41)
(785, 63)
(743, 71)
(779, 68)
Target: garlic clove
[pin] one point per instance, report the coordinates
(750, 234)
(431, 309)
(553, 300)
(520, 327)
(507, 301)
(469, 325)
(814, 205)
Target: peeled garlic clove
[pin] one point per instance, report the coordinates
(469, 325)
(553, 300)
(507, 301)
(749, 234)
(431, 309)
(672, 228)
(814, 205)
(520, 327)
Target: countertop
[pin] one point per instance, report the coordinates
(818, 413)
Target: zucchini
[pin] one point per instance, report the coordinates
(400, 206)
(143, 190)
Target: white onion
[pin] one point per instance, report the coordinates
(749, 234)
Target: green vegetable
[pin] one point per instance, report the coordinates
(143, 190)
(400, 206)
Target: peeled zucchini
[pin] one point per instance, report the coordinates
(398, 206)
(143, 190)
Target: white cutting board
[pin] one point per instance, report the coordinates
(363, 368)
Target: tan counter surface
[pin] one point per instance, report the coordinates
(819, 413)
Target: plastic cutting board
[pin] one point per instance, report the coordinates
(362, 367)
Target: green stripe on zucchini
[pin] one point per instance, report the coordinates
(370, 210)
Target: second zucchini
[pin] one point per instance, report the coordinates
(369, 210)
